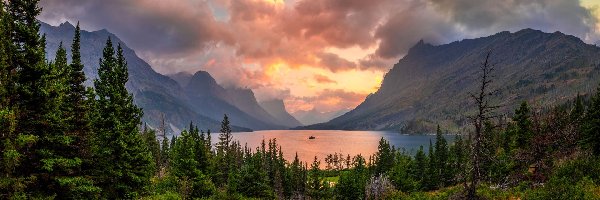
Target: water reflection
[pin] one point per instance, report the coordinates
(331, 141)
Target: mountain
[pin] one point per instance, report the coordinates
(157, 94)
(276, 108)
(183, 78)
(314, 116)
(240, 104)
(431, 84)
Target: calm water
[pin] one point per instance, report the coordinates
(331, 141)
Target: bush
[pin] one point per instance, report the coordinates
(563, 188)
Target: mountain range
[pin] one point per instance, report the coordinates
(198, 99)
(431, 84)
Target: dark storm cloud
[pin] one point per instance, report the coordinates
(161, 27)
(567, 15)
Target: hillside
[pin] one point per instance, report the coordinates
(276, 108)
(204, 102)
(430, 85)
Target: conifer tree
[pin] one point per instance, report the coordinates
(185, 164)
(441, 159)
(523, 121)
(384, 157)
(419, 167)
(224, 157)
(591, 126)
(315, 182)
(37, 91)
(124, 162)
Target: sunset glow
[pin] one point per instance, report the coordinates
(299, 50)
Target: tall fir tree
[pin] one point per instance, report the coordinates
(37, 92)
(523, 120)
(125, 164)
(591, 126)
(11, 186)
(441, 154)
(224, 157)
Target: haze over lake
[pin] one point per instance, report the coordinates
(331, 141)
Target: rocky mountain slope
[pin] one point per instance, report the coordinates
(430, 85)
(204, 102)
(276, 108)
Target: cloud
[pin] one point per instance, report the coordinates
(326, 101)
(284, 49)
(323, 79)
(160, 27)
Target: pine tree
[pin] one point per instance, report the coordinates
(578, 109)
(441, 159)
(150, 140)
(36, 90)
(591, 125)
(384, 157)
(431, 177)
(185, 164)
(419, 167)
(523, 121)
(124, 162)
(224, 155)
(315, 182)
(11, 185)
(77, 104)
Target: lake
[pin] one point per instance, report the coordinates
(331, 141)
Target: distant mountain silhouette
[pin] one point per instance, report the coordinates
(314, 116)
(430, 85)
(202, 101)
(240, 104)
(276, 108)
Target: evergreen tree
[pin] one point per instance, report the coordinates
(11, 185)
(591, 126)
(164, 154)
(316, 189)
(150, 140)
(384, 157)
(431, 177)
(523, 120)
(419, 167)
(252, 180)
(37, 91)
(184, 164)
(352, 183)
(578, 109)
(224, 153)
(76, 104)
(124, 162)
(442, 169)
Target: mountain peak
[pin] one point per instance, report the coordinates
(66, 25)
(420, 46)
(528, 60)
(203, 75)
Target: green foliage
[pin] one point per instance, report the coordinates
(523, 122)
(124, 162)
(187, 156)
(384, 158)
(591, 125)
(352, 183)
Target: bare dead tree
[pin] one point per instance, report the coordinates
(485, 112)
(163, 126)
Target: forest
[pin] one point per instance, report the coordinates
(62, 140)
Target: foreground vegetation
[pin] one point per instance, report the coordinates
(61, 140)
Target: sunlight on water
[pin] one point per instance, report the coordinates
(331, 141)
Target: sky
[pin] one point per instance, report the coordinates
(322, 54)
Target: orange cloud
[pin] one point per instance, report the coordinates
(326, 54)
